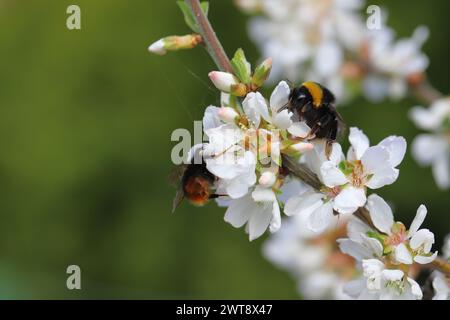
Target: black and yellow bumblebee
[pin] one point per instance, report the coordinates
(194, 183)
(314, 104)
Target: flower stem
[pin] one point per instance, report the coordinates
(427, 93)
(213, 45)
(441, 265)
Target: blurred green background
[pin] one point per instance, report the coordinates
(85, 124)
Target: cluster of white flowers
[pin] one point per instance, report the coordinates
(257, 150)
(328, 41)
(313, 260)
(434, 148)
(245, 148)
(346, 179)
(387, 253)
(244, 153)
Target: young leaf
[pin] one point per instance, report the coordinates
(188, 15)
(241, 67)
(205, 7)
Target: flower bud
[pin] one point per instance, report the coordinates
(158, 47)
(267, 179)
(227, 114)
(262, 73)
(174, 43)
(223, 81)
(303, 147)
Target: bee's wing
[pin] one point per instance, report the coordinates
(179, 196)
(176, 174)
(342, 127)
(174, 178)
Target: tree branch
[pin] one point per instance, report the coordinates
(213, 45)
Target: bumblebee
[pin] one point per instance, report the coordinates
(195, 184)
(314, 104)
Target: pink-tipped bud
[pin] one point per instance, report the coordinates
(158, 47)
(227, 114)
(302, 147)
(223, 81)
(267, 179)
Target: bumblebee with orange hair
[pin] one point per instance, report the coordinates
(194, 182)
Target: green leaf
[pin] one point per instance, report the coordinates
(189, 16)
(205, 7)
(241, 67)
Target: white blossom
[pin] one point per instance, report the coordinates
(433, 148)
(328, 41)
(393, 62)
(345, 180)
(313, 261)
(408, 246)
(244, 154)
(378, 281)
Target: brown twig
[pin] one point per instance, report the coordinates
(426, 92)
(213, 44)
(441, 265)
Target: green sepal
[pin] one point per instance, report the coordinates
(241, 66)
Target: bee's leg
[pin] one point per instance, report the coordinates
(215, 195)
(322, 123)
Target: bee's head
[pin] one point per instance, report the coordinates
(300, 96)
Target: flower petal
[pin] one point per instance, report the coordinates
(321, 218)
(331, 175)
(211, 118)
(255, 107)
(299, 129)
(349, 200)
(402, 254)
(425, 259)
(354, 288)
(415, 288)
(375, 159)
(261, 194)
(356, 228)
(280, 96)
(303, 204)
(383, 177)
(380, 213)
(259, 221)
(418, 220)
(423, 237)
(396, 147)
(441, 171)
(275, 223)
(239, 211)
(282, 120)
(354, 249)
(359, 141)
